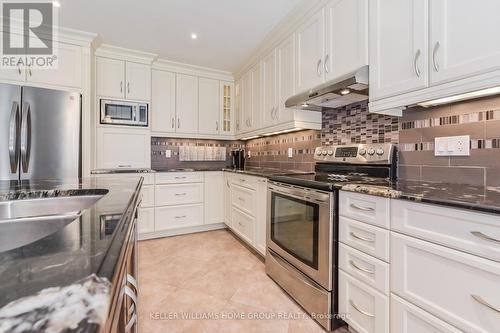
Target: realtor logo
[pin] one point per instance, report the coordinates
(29, 34)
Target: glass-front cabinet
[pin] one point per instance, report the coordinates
(227, 107)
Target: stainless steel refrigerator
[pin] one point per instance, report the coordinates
(40, 133)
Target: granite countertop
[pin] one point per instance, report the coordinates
(251, 171)
(63, 280)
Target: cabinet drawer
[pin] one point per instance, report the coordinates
(365, 208)
(368, 269)
(145, 220)
(244, 199)
(179, 177)
(148, 196)
(245, 181)
(365, 237)
(367, 310)
(243, 225)
(457, 287)
(178, 194)
(408, 318)
(476, 233)
(178, 216)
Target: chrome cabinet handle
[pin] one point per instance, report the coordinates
(29, 70)
(318, 67)
(364, 239)
(25, 137)
(216, 125)
(180, 194)
(180, 217)
(178, 123)
(480, 300)
(124, 165)
(173, 122)
(121, 86)
(227, 183)
(359, 310)
(179, 177)
(353, 264)
(128, 87)
(366, 209)
(14, 137)
(327, 70)
(479, 234)
(415, 63)
(19, 69)
(434, 52)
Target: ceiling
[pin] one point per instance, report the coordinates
(228, 30)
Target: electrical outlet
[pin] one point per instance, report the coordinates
(452, 146)
(168, 153)
(290, 152)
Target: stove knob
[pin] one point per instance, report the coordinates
(318, 152)
(330, 152)
(380, 152)
(324, 152)
(362, 151)
(371, 151)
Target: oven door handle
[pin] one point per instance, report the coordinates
(307, 197)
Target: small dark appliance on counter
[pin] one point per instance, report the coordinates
(238, 159)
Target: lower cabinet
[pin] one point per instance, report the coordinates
(214, 197)
(145, 220)
(243, 225)
(174, 217)
(366, 309)
(227, 198)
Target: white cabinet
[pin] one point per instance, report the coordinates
(214, 197)
(269, 91)
(175, 217)
(255, 117)
(457, 287)
(145, 220)
(398, 46)
(243, 225)
(138, 81)
(310, 43)
(346, 37)
(163, 102)
(209, 107)
(178, 194)
(367, 309)
(179, 177)
(246, 102)
(227, 198)
(285, 54)
(123, 79)
(366, 208)
(187, 103)
(110, 77)
(123, 148)
(227, 117)
(261, 216)
(463, 48)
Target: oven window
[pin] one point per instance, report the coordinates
(294, 227)
(119, 112)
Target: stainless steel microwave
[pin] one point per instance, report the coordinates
(124, 113)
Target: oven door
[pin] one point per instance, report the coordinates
(300, 229)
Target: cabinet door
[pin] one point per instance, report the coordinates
(163, 102)
(226, 125)
(269, 89)
(17, 73)
(208, 111)
(227, 198)
(246, 97)
(346, 37)
(187, 103)
(238, 107)
(214, 197)
(146, 220)
(123, 148)
(110, 77)
(398, 46)
(285, 54)
(255, 122)
(464, 39)
(173, 217)
(138, 81)
(68, 72)
(261, 216)
(310, 50)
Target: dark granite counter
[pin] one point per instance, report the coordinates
(266, 172)
(69, 271)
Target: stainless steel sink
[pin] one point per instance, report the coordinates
(25, 221)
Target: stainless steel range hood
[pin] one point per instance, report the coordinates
(348, 89)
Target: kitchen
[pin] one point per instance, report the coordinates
(321, 165)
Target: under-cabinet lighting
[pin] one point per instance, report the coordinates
(345, 91)
(305, 105)
(462, 97)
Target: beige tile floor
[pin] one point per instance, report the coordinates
(206, 275)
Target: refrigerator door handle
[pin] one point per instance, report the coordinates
(26, 137)
(14, 137)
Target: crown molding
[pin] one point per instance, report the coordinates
(182, 68)
(116, 52)
(282, 30)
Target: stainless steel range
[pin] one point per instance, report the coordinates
(302, 226)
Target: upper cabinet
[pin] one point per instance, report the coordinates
(123, 79)
(462, 48)
(346, 37)
(209, 106)
(187, 104)
(163, 118)
(398, 44)
(285, 58)
(310, 48)
(269, 91)
(226, 124)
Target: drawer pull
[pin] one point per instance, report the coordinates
(480, 300)
(353, 264)
(359, 310)
(242, 180)
(366, 209)
(241, 199)
(179, 194)
(178, 177)
(479, 234)
(364, 239)
(181, 217)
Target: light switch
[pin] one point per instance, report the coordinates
(452, 146)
